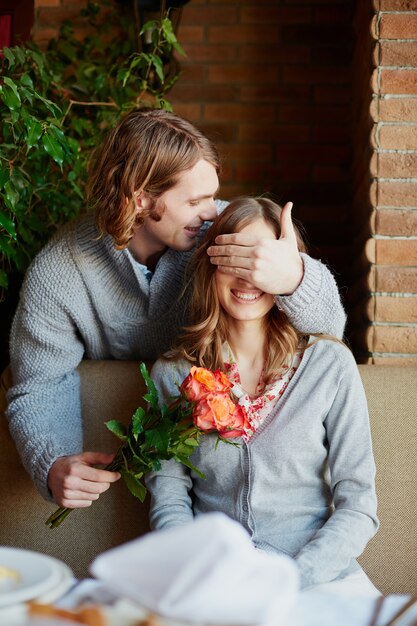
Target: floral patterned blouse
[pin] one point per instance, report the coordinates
(258, 406)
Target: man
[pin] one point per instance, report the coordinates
(112, 286)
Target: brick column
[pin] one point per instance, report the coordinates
(392, 248)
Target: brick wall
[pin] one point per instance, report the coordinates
(50, 13)
(273, 82)
(270, 83)
(392, 247)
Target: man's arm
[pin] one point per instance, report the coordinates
(44, 409)
(304, 288)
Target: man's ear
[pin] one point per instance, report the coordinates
(143, 202)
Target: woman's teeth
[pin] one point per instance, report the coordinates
(248, 297)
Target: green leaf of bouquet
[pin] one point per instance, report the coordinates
(192, 442)
(158, 438)
(137, 421)
(117, 428)
(152, 395)
(185, 461)
(134, 485)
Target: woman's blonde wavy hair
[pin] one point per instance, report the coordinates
(145, 152)
(203, 338)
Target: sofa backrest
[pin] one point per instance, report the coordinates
(112, 389)
(390, 558)
(109, 390)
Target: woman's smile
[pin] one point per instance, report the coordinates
(247, 296)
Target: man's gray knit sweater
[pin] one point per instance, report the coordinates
(83, 299)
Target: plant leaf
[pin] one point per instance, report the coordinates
(159, 66)
(137, 421)
(53, 148)
(152, 395)
(51, 106)
(4, 281)
(117, 428)
(11, 196)
(159, 437)
(26, 80)
(6, 248)
(8, 225)
(185, 461)
(10, 96)
(9, 56)
(150, 25)
(34, 131)
(134, 485)
(4, 176)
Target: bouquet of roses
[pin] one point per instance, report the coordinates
(205, 404)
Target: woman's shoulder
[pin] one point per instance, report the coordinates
(330, 350)
(168, 374)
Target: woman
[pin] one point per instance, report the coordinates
(301, 480)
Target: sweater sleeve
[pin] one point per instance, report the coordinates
(170, 487)
(352, 470)
(44, 409)
(315, 306)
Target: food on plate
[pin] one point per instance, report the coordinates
(90, 615)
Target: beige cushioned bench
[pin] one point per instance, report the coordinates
(112, 389)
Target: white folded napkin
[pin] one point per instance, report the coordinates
(206, 571)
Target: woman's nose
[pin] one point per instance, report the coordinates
(244, 284)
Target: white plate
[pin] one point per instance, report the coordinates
(37, 575)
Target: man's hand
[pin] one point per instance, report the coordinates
(75, 482)
(272, 265)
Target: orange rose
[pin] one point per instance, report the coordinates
(222, 382)
(199, 382)
(203, 416)
(218, 412)
(238, 425)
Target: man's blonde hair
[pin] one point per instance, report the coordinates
(145, 152)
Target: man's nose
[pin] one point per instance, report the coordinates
(209, 212)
